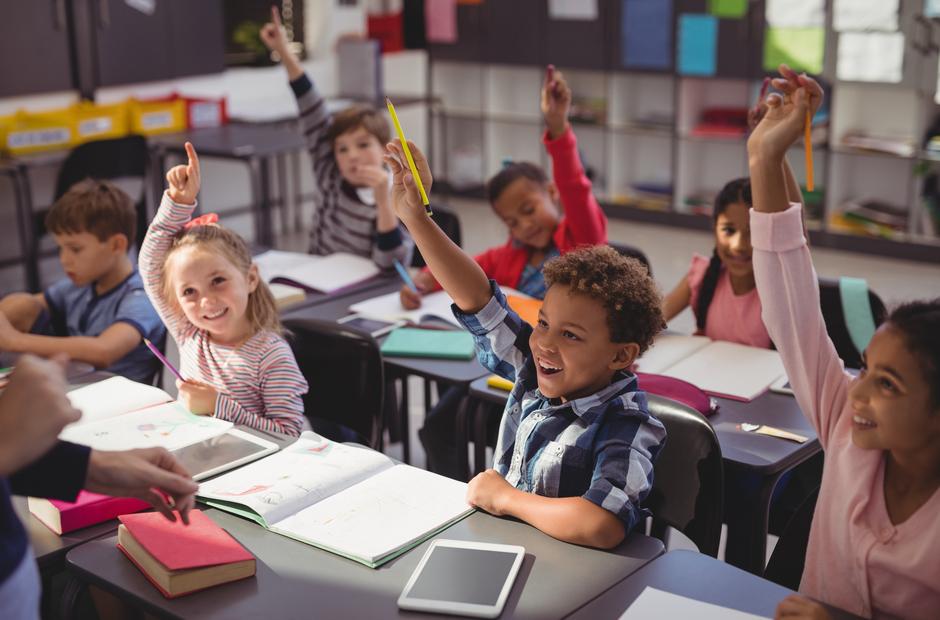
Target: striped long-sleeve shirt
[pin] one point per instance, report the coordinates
(342, 222)
(600, 447)
(258, 382)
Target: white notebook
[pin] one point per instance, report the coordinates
(653, 603)
(318, 273)
(720, 368)
(351, 501)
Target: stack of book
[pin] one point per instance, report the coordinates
(873, 218)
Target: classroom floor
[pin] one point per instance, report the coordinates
(669, 251)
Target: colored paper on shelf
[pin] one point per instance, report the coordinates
(646, 34)
(440, 21)
(698, 44)
(864, 15)
(800, 48)
(727, 8)
(584, 10)
(931, 8)
(870, 57)
(796, 13)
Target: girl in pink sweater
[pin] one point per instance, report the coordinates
(874, 546)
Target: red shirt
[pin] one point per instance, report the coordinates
(583, 222)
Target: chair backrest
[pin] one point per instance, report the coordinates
(830, 302)
(449, 223)
(632, 252)
(343, 367)
(786, 562)
(105, 159)
(688, 476)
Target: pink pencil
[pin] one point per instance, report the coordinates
(165, 361)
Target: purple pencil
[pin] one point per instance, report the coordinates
(165, 361)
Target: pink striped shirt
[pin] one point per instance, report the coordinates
(856, 558)
(259, 384)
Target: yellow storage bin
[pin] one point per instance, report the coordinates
(32, 132)
(5, 122)
(100, 122)
(153, 116)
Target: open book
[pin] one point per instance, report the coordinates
(351, 501)
(720, 368)
(120, 414)
(317, 273)
(436, 305)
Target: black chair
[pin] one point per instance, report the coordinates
(786, 562)
(449, 223)
(830, 301)
(688, 481)
(343, 367)
(632, 252)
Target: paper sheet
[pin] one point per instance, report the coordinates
(646, 34)
(800, 48)
(698, 44)
(112, 397)
(653, 603)
(729, 369)
(440, 21)
(864, 15)
(322, 273)
(668, 349)
(871, 57)
(796, 13)
(572, 9)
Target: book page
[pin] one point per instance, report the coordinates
(668, 349)
(331, 273)
(114, 396)
(307, 471)
(274, 263)
(168, 426)
(389, 511)
(728, 369)
(653, 603)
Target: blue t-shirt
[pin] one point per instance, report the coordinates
(532, 281)
(80, 311)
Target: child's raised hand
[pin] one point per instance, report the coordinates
(785, 120)
(183, 180)
(406, 199)
(273, 35)
(556, 102)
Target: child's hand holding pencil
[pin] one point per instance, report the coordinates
(406, 197)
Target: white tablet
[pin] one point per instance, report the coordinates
(221, 453)
(781, 386)
(463, 578)
(377, 328)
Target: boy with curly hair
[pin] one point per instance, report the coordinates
(576, 441)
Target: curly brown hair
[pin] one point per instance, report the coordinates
(623, 285)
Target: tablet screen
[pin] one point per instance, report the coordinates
(474, 576)
(215, 452)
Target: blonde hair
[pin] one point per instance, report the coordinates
(262, 309)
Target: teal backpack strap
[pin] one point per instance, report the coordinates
(856, 310)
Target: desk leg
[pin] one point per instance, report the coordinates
(746, 545)
(260, 198)
(296, 199)
(481, 421)
(22, 193)
(462, 425)
(281, 162)
(404, 423)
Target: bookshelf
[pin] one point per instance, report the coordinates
(647, 135)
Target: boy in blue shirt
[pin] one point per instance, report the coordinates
(100, 313)
(576, 441)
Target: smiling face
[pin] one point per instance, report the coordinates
(574, 355)
(212, 292)
(890, 401)
(85, 259)
(354, 149)
(528, 210)
(733, 239)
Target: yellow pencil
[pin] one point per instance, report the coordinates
(808, 144)
(411, 161)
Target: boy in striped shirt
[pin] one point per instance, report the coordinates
(576, 441)
(353, 213)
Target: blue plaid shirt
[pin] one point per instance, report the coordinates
(600, 447)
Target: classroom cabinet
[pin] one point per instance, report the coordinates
(35, 39)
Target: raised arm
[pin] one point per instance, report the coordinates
(275, 38)
(176, 208)
(584, 221)
(458, 273)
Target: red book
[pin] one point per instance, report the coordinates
(179, 559)
(87, 509)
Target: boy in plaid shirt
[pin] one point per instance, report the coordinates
(576, 442)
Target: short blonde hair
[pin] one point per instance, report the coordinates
(262, 309)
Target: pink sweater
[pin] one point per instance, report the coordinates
(856, 559)
(733, 318)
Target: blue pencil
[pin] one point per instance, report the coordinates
(405, 277)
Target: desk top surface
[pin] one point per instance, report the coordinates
(295, 580)
(766, 455)
(238, 141)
